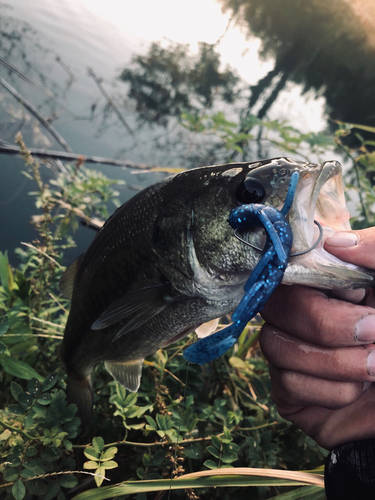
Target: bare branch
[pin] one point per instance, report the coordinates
(37, 115)
(60, 155)
(109, 100)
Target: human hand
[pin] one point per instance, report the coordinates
(321, 352)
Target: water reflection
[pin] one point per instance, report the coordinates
(325, 45)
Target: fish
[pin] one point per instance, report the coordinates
(167, 261)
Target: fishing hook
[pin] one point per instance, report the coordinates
(292, 254)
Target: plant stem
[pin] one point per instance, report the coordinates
(15, 429)
(184, 441)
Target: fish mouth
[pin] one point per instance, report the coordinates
(320, 197)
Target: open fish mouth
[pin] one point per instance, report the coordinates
(320, 197)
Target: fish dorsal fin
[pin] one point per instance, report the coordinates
(128, 373)
(147, 302)
(66, 283)
(207, 328)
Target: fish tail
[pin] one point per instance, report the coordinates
(79, 391)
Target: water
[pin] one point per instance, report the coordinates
(105, 36)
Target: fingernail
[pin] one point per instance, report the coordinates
(342, 239)
(371, 363)
(365, 328)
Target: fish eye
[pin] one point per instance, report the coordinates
(250, 190)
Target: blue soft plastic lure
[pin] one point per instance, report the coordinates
(264, 279)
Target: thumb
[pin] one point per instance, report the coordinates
(356, 247)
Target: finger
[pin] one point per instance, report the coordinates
(330, 428)
(311, 315)
(353, 364)
(290, 388)
(357, 247)
(354, 296)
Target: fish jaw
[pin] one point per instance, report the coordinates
(320, 196)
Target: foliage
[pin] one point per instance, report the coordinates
(360, 178)
(184, 418)
(168, 81)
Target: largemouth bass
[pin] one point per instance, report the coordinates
(167, 261)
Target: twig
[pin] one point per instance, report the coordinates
(15, 429)
(109, 100)
(46, 322)
(25, 77)
(95, 223)
(37, 115)
(59, 303)
(67, 69)
(60, 336)
(60, 155)
(43, 253)
(56, 474)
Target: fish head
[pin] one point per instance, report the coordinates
(196, 221)
(320, 197)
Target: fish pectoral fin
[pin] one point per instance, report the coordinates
(206, 329)
(66, 283)
(146, 301)
(127, 373)
(139, 319)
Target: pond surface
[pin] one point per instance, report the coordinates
(53, 44)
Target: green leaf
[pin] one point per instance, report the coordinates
(68, 481)
(27, 473)
(3, 348)
(18, 368)
(151, 422)
(238, 363)
(6, 275)
(229, 457)
(140, 472)
(214, 451)
(98, 444)
(90, 465)
(91, 453)
(18, 490)
(49, 382)
(15, 389)
(25, 399)
(101, 472)
(17, 409)
(158, 458)
(45, 399)
(53, 490)
(34, 387)
(210, 464)
(189, 401)
(111, 464)
(146, 459)
(108, 454)
(4, 325)
(131, 399)
(10, 474)
(216, 442)
(31, 451)
(193, 451)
